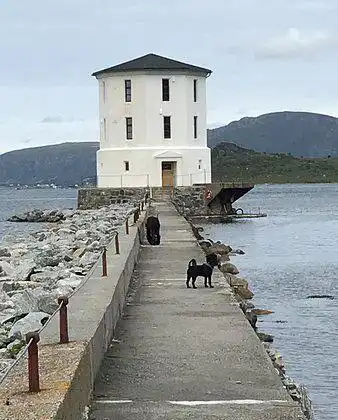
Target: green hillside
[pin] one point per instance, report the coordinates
(233, 163)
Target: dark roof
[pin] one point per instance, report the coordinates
(153, 62)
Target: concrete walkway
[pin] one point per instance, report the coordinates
(181, 353)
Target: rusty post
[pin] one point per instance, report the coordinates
(63, 301)
(117, 244)
(127, 226)
(33, 361)
(104, 262)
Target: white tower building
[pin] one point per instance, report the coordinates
(153, 124)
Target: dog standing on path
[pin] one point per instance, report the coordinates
(153, 230)
(204, 270)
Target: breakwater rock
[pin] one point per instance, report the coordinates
(37, 269)
(41, 216)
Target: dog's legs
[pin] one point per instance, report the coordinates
(193, 282)
(205, 282)
(188, 280)
(210, 285)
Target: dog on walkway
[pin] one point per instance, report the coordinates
(153, 230)
(203, 270)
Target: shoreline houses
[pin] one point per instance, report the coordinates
(153, 124)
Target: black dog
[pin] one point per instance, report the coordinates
(203, 270)
(153, 230)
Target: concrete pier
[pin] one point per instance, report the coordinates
(181, 353)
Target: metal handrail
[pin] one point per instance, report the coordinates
(24, 350)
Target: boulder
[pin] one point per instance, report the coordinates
(267, 338)
(252, 318)
(25, 302)
(243, 292)
(31, 322)
(220, 249)
(236, 281)
(229, 268)
(46, 276)
(5, 302)
(89, 258)
(24, 270)
(73, 281)
(262, 311)
(39, 216)
(4, 252)
(81, 234)
(6, 269)
(50, 257)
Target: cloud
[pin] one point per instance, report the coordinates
(297, 44)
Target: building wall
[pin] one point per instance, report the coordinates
(146, 170)
(147, 110)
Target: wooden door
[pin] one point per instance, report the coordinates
(168, 174)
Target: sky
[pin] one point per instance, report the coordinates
(266, 56)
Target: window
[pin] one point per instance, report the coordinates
(126, 165)
(167, 127)
(199, 164)
(127, 90)
(129, 128)
(104, 91)
(195, 127)
(195, 90)
(165, 90)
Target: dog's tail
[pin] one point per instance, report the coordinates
(192, 263)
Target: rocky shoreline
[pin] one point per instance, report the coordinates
(38, 268)
(243, 295)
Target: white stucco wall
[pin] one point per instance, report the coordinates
(147, 110)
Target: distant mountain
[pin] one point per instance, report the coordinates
(299, 133)
(61, 164)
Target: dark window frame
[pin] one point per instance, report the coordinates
(167, 127)
(195, 90)
(195, 126)
(127, 90)
(165, 90)
(129, 128)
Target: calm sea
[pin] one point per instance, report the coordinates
(291, 254)
(14, 201)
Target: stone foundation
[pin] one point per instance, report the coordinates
(94, 198)
(191, 202)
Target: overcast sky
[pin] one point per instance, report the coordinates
(266, 55)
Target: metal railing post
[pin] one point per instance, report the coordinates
(136, 215)
(33, 361)
(117, 244)
(104, 262)
(127, 226)
(63, 301)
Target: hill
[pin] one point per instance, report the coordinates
(234, 163)
(299, 133)
(62, 164)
